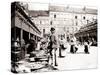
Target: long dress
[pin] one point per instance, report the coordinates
(73, 43)
(86, 49)
(62, 47)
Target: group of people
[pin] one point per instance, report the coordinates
(50, 44)
(74, 45)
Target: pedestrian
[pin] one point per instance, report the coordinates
(86, 47)
(62, 43)
(73, 48)
(52, 46)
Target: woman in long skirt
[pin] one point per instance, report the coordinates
(86, 48)
(72, 49)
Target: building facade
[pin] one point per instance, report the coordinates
(22, 30)
(66, 20)
(88, 33)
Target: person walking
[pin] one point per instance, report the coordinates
(87, 45)
(62, 43)
(52, 47)
(73, 48)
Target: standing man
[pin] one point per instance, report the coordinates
(52, 46)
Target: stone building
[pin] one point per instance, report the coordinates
(66, 19)
(22, 30)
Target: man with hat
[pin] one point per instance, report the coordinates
(53, 47)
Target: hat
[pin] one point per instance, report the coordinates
(52, 29)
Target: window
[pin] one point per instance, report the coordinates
(43, 30)
(67, 29)
(50, 22)
(40, 22)
(75, 17)
(54, 15)
(76, 23)
(84, 17)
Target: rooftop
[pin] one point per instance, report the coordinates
(73, 9)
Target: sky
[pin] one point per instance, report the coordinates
(38, 6)
(43, 4)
